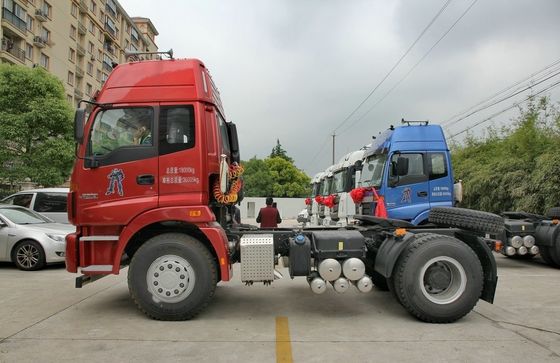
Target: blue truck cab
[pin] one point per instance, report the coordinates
(410, 166)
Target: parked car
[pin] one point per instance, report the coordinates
(29, 239)
(50, 202)
(303, 216)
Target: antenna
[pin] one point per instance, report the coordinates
(135, 54)
(421, 122)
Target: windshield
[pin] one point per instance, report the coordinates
(338, 181)
(316, 189)
(23, 216)
(372, 172)
(325, 186)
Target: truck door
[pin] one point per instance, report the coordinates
(441, 184)
(121, 156)
(406, 196)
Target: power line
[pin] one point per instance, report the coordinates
(501, 100)
(411, 69)
(530, 77)
(396, 64)
(548, 88)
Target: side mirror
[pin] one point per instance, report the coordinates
(79, 121)
(358, 165)
(233, 142)
(402, 166)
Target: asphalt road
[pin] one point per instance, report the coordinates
(43, 318)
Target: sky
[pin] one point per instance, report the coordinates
(297, 70)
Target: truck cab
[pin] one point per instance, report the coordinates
(410, 167)
(152, 155)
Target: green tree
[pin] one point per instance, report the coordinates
(514, 168)
(275, 177)
(278, 151)
(35, 127)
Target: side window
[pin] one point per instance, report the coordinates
(121, 127)
(50, 202)
(223, 133)
(416, 172)
(176, 129)
(23, 200)
(438, 166)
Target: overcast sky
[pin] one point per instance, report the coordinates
(294, 70)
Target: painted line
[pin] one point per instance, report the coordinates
(283, 341)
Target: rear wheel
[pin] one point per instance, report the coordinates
(438, 279)
(172, 277)
(29, 256)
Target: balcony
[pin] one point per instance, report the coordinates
(78, 93)
(112, 32)
(107, 67)
(17, 52)
(12, 18)
(39, 41)
(82, 30)
(40, 15)
(80, 50)
(109, 49)
(110, 11)
(83, 6)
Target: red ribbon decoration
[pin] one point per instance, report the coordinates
(319, 199)
(358, 195)
(330, 200)
(307, 201)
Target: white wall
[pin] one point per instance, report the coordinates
(289, 207)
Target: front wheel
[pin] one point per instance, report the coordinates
(438, 278)
(29, 256)
(172, 277)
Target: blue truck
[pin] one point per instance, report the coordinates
(410, 167)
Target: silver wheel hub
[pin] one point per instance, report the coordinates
(442, 280)
(27, 256)
(170, 279)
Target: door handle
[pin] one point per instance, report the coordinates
(146, 179)
(422, 194)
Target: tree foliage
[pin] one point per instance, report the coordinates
(273, 177)
(279, 152)
(35, 127)
(515, 168)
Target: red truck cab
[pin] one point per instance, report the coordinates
(147, 159)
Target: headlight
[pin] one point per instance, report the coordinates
(57, 237)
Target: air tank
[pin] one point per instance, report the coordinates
(330, 269)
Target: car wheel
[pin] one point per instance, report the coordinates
(29, 256)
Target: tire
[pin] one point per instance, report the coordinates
(468, 219)
(547, 256)
(172, 277)
(525, 257)
(438, 279)
(29, 256)
(553, 213)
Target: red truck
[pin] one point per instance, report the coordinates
(155, 177)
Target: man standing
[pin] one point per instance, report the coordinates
(269, 217)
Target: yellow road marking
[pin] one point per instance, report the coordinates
(283, 341)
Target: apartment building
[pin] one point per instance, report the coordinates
(76, 40)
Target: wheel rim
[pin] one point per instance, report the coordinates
(28, 256)
(442, 280)
(170, 279)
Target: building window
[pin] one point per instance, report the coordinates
(70, 78)
(74, 10)
(127, 28)
(90, 68)
(91, 27)
(93, 7)
(89, 89)
(91, 48)
(99, 55)
(30, 23)
(45, 34)
(71, 55)
(134, 34)
(72, 32)
(44, 61)
(69, 99)
(47, 9)
(98, 76)
(104, 77)
(29, 51)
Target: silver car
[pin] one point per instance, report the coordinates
(29, 239)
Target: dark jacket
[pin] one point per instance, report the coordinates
(269, 217)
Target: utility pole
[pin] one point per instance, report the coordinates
(333, 136)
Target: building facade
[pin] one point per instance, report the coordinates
(76, 40)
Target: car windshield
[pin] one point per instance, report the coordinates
(23, 216)
(326, 186)
(372, 172)
(338, 181)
